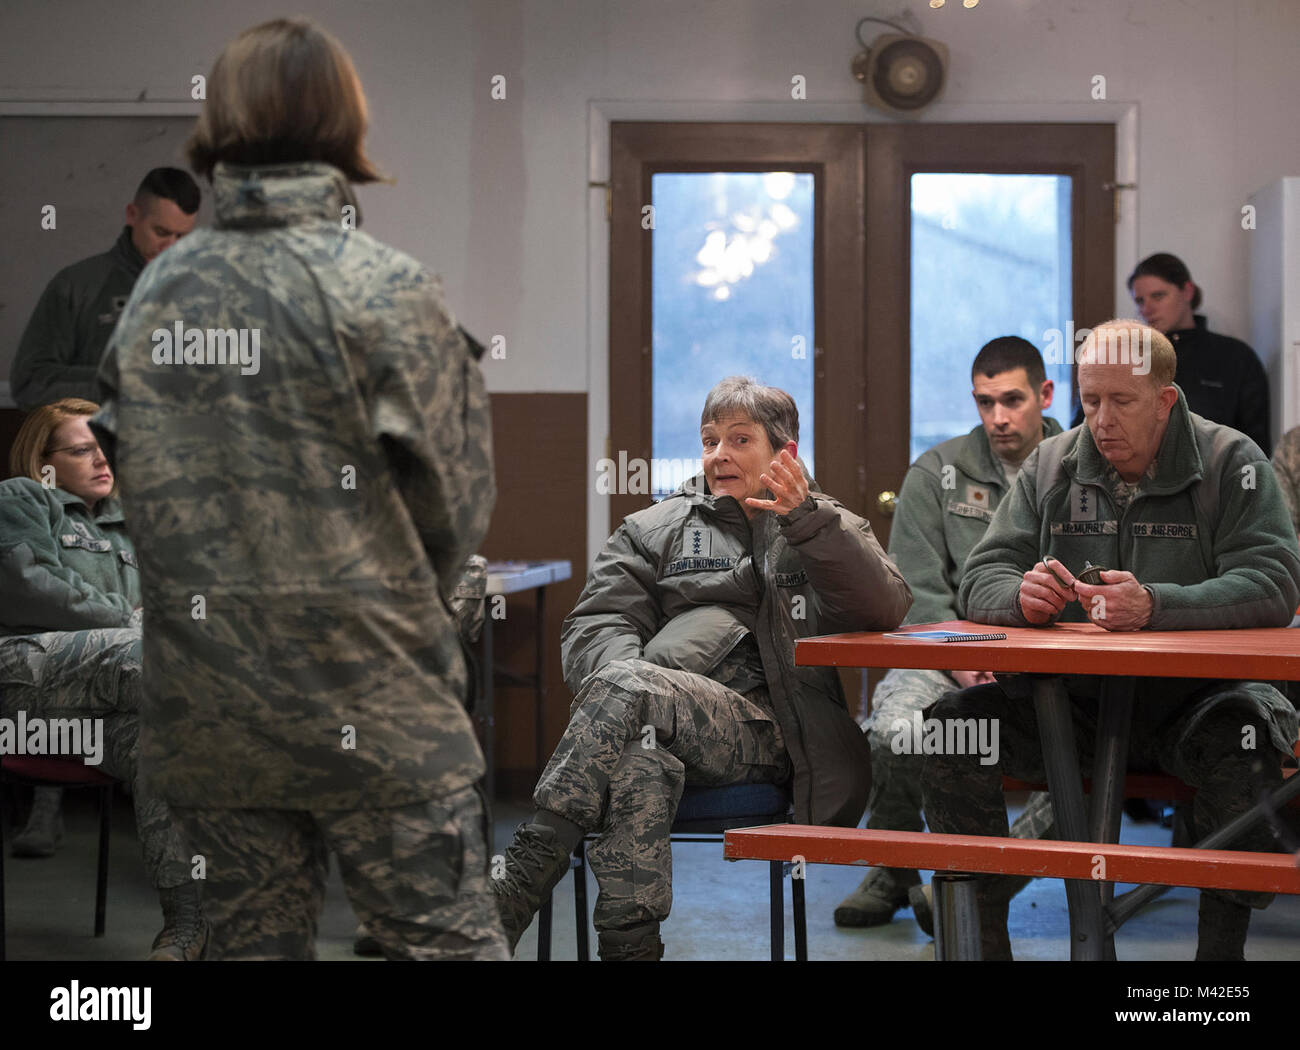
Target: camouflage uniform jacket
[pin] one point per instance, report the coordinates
(1209, 536)
(684, 582)
(65, 337)
(945, 505)
(306, 522)
(63, 567)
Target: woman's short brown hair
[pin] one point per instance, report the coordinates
(32, 445)
(283, 92)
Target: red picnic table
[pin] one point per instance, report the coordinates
(1050, 653)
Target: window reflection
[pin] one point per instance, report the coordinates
(990, 257)
(732, 294)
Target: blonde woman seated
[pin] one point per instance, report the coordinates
(70, 634)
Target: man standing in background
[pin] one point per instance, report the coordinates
(60, 349)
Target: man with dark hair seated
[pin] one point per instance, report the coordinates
(680, 654)
(1187, 520)
(65, 338)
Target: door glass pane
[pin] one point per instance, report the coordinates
(732, 294)
(990, 257)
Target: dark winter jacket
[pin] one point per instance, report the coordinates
(683, 582)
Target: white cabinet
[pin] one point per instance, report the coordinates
(1275, 296)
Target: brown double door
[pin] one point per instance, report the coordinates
(866, 215)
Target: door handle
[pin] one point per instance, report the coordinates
(887, 503)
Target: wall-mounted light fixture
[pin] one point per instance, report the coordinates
(900, 72)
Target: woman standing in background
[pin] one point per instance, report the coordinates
(1220, 376)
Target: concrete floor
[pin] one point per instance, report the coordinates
(719, 912)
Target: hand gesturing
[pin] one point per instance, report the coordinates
(788, 485)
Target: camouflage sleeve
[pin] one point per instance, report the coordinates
(39, 590)
(42, 369)
(469, 598)
(429, 408)
(1286, 465)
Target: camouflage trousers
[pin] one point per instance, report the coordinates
(896, 803)
(416, 876)
(96, 674)
(637, 734)
(1198, 739)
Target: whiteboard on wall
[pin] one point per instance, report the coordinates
(88, 167)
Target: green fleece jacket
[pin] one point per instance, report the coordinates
(1209, 535)
(62, 566)
(65, 337)
(944, 507)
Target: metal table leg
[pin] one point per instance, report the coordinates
(1126, 905)
(1056, 730)
(487, 713)
(776, 891)
(1115, 717)
(956, 918)
(799, 903)
(536, 680)
(539, 695)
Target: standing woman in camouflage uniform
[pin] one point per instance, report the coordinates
(308, 466)
(70, 630)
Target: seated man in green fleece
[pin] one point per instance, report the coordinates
(1187, 517)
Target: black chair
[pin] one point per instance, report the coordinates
(40, 771)
(702, 816)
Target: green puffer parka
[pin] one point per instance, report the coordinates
(682, 583)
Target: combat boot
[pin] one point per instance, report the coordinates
(1221, 929)
(364, 943)
(882, 893)
(921, 898)
(635, 944)
(534, 864)
(184, 936)
(44, 830)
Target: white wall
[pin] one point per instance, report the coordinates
(493, 194)
(1275, 297)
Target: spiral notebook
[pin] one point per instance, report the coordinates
(948, 636)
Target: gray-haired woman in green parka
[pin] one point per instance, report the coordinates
(70, 641)
(680, 654)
